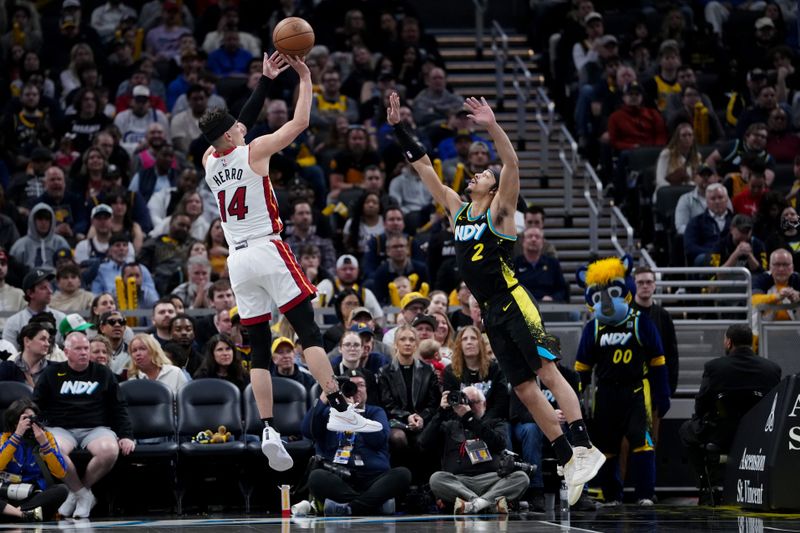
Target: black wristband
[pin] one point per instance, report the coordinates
(412, 148)
(252, 108)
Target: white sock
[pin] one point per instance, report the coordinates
(479, 504)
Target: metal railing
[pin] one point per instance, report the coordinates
(523, 83)
(568, 155)
(728, 286)
(500, 52)
(480, 10)
(617, 220)
(593, 193)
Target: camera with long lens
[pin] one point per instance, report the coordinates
(16, 492)
(341, 471)
(347, 388)
(457, 397)
(507, 464)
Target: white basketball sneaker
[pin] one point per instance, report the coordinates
(272, 446)
(351, 421)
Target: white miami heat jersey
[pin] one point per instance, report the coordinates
(246, 202)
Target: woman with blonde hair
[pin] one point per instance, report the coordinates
(679, 161)
(472, 366)
(79, 54)
(148, 361)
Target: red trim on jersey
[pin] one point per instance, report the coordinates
(294, 302)
(256, 320)
(272, 206)
(299, 277)
(222, 154)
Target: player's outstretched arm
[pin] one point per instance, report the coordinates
(271, 67)
(266, 145)
(415, 153)
(482, 114)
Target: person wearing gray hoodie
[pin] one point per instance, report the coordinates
(36, 249)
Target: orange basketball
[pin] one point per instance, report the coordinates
(293, 36)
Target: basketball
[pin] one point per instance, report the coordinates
(293, 36)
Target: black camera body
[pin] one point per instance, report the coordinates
(457, 397)
(347, 387)
(36, 420)
(507, 464)
(341, 471)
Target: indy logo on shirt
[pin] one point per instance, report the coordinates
(470, 232)
(79, 387)
(615, 339)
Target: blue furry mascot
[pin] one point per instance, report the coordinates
(624, 350)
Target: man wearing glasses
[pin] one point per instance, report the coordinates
(112, 325)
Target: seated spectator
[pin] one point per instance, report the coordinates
(117, 256)
(304, 233)
(435, 102)
(330, 103)
(679, 161)
(472, 486)
(165, 254)
(38, 294)
(112, 326)
(409, 395)
(27, 185)
(412, 197)
(181, 332)
(97, 420)
(68, 207)
(365, 222)
(219, 297)
(163, 40)
(346, 277)
(371, 353)
(739, 370)
(163, 313)
(146, 294)
(100, 350)
(343, 303)
(29, 125)
(425, 326)
(634, 125)
(788, 236)
(664, 83)
(397, 263)
(195, 291)
(148, 361)
(94, 248)
(728, 158)
(747, 200)
(346, 169)
(779, 285)
(738, 247)
(283, 364)
(70, 297)
(160, 175)
(34, 341)
(134, 121)
(411, 305)
(444, 334)
(393, 222)
(229, 21)
(23, 439)
(782, 143)
(471, 366)
(705, 230)
(693, 203)
(222, 360)
(373, 484)
(36, 249)
(759, 112)
(586, 50)
(231, 59)
(184, 127)
(461, 317)
(12, 299)
(539, 273)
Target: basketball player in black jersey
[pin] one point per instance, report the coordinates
(484, 239)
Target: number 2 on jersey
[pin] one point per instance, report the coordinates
(236, 208)
(477, 256)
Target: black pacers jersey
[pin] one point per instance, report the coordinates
(483, 255)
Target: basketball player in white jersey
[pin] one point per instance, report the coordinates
(263, 270)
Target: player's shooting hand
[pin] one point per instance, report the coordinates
(479, 111)
(299, 65)
(273, 65)
(393, 111)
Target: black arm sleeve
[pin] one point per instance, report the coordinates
(252, 107)
(412, 148)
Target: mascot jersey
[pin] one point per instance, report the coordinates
(620, 353)
(483, 255)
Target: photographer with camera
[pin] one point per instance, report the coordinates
(29, 460)
(354, 476)
(474, 475)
